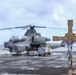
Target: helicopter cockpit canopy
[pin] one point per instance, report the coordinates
(14, 38)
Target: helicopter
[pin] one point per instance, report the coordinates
(31, 41)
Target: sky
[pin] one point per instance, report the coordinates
(50, 13)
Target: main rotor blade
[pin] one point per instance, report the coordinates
(50, 27)
(6, 28)
(40, 26)
(23, 27)
(57, 28)
(15, 27)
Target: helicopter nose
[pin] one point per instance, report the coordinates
(5, 44)
(47, 39)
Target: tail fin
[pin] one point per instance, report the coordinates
(63, 43)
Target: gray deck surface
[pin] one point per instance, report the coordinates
(55, 64)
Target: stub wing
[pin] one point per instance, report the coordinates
(56, 45)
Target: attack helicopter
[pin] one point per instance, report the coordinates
(31, 41)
